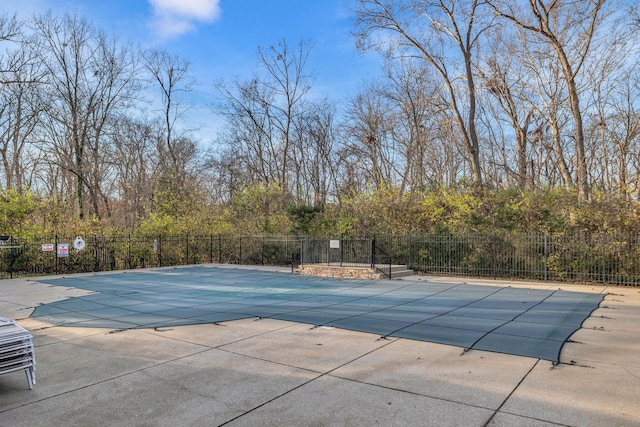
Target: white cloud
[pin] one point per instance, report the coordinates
(172, 18)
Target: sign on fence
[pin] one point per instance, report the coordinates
(63, 250)
(79, 244)
(334, 244)
(47, 247)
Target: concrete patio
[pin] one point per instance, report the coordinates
(272, 372)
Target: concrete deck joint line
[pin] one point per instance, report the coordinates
(107, 380)
(511, 393)
(218, 347)
(321, 375)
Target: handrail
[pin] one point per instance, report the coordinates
(375, 250)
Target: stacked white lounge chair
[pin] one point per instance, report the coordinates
(16, 350)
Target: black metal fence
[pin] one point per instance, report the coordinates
(347, 252)
(585, 258)
(40, 256)
(588, 258)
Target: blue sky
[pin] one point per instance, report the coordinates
(221, 37)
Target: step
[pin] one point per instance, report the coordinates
(402, 273)
(396, 270)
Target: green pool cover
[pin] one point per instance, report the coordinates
(525, 322)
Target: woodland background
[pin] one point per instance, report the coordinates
(490, 116)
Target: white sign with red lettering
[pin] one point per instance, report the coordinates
(47, 247)
(63, 250)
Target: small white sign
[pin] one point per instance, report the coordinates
(334, 244)
(79, 243)
(47, 247)
(63, 250)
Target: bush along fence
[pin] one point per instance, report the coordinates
(584, 258)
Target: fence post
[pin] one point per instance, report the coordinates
(55, 248)
(211, 248)
(546, 255)
(449, 237)
(341, 249)
(95, 253)
(373, 252)
(262, 252)
(410, 253)
(329, 252)
(186, 260)
(219, 248)
(604, 246)
(240, 252)
(11, 261)
(495, 255)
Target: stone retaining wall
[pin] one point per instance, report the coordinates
(339, 272)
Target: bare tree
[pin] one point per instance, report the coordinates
(20, 110)
(226, 174)
(18, 104)
(137, 167)
(89, 76)
(171, 75)
(446, 35)
(248, 138)
(9, 27)
(569, 28)
(507, 81)
(9, 31)
(419, 112)
(313, 163)
(288, 83)
(263, 111)
(614, 132)
(370, 150)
